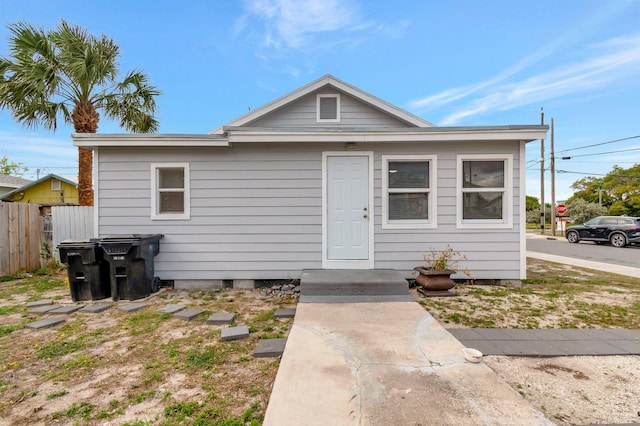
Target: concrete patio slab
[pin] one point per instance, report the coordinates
(96, 308)
(269, 348)
(521, 334)
(285, 313)
(188, 314)
(234, 333)
(484, 346)
(630, 346)
(550, 342)
(493, 333)
(624, 333)
(465, 334)
(45, 323)
(131, 307)
(37, 303)
(221, 318)
(172, 309)
(65, 310)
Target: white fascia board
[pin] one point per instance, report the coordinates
(315, 85)
(457, 136)
(94, 140)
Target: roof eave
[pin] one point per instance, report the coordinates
(96, 140)
(432, 134)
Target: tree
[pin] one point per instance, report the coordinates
(581, 211)
(70, 74)
(11, 168)
(532, 203)
(619, 189)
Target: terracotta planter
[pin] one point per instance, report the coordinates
(435, 280)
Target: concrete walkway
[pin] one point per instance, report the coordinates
(392, 363)
(387, 363)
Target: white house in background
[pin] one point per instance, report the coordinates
(327, 176)
(10, 183)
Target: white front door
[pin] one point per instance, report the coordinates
(347, 211)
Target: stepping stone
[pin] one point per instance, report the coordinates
(131, 307)
(285, 313)
(65, 310)
(96, 308)
(221, 318)
(188, 314)
(234, 333)
(39, 303)
(42, 309)
(269, 348)
(171, 309)
(45, 323)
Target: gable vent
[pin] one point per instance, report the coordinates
(329, 108)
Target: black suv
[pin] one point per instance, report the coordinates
(617, 230)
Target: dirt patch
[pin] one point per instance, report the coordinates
(576, 390)
(115, 367)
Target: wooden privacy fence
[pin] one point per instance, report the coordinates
(21, 237)
(73, 222)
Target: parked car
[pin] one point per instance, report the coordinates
(617, 230)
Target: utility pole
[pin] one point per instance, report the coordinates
(542, 218)
(553, 184)
(600, 193)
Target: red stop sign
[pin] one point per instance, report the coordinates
(561, 209)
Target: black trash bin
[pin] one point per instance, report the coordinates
(131, 264)
(88, 272)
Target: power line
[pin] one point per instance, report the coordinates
(600, 153)
(601, 143)
(599, 174)
(610, 162)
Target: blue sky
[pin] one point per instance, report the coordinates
(453, 63)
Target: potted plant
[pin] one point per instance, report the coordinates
(435, 275)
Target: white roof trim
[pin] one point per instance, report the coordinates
(434, 134)
(94, 140)
(317, 84)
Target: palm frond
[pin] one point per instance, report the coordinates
(50, 73)
(132, 103)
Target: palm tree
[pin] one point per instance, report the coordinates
(70, 74)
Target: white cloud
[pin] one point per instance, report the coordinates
(287, 23)
(610, 61)
(293, 24)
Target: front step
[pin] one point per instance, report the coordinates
(352, 286)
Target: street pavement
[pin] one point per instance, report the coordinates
(572, 259)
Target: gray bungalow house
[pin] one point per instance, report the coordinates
(325, 177)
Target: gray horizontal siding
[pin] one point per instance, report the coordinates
(491, 254)
(353, 113)
(256, 211)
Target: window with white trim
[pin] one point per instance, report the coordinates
(56, 185)
(170, 193)
(328, 108)
(484, 191)
(408, 191)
